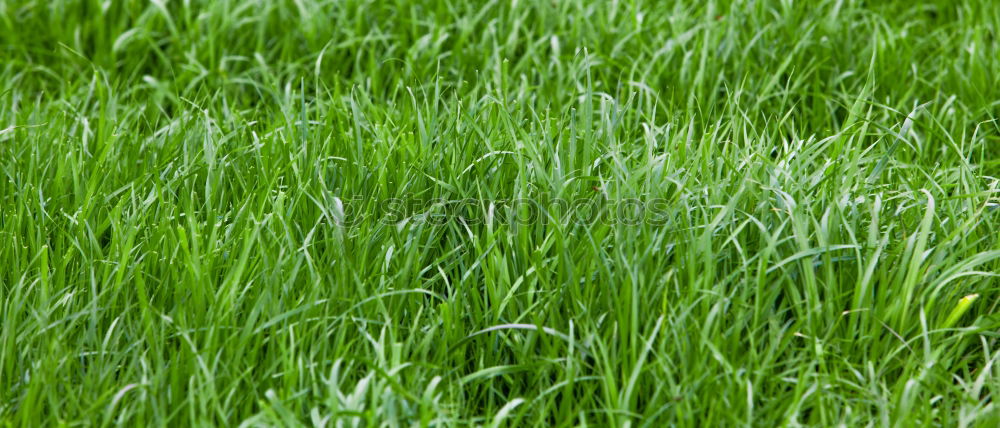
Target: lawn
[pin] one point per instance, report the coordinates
(499, 213)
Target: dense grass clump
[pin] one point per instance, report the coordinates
(550, 213)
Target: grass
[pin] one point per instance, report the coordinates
(553, 213)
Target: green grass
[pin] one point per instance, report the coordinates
(376, 212)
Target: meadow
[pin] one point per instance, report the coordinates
(637, 213)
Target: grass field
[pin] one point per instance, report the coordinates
(499, 213)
